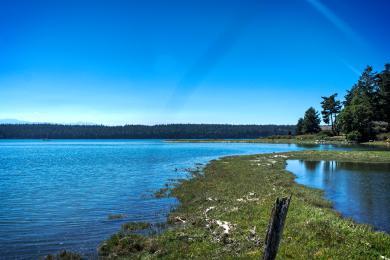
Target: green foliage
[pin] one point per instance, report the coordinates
(354, 136)
(365, 104)
(330, 109)
(169, 131)
(384, 137)
(366, 111)
(358, 117)
(366, 85)
(299, 127)
(311, 122)
(383, 81)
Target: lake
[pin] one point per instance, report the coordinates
(58, 194)
(357, 190)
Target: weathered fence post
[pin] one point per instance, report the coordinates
(275, 228)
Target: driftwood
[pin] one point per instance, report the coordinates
(275, 228)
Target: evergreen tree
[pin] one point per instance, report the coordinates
(361, 107)
(383, 80)
(356, 119)
(168, 131)
(330, 109)
(311, 121)
(299, 127)
(366, 85)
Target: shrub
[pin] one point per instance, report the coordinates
(383, 137)
(354, 136)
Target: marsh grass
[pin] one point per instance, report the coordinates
(224, 212)
(134, 226)
(115, 216)
(64, 255)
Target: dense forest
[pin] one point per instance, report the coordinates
(363, 115)
(169, 131)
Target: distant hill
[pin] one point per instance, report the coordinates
(168, 131)
(13, 121)
(18, 122)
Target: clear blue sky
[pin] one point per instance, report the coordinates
(147, 62)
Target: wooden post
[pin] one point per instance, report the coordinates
(275, 228)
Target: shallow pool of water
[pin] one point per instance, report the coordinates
(358, 190)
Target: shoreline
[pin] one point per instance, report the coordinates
(224, 213)
(262, 141)
(379, 144)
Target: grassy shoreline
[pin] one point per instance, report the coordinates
(260, 140)
(321, 138)
(302, 141)
(223, 213)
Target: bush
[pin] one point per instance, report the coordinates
(354, 136)
(383, 137)
(326, 133)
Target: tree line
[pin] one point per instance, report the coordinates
(364, 112)
(168, 131)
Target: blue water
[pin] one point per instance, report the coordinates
(57, 195)
(357, 190)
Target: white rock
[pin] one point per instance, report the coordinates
(225, 225)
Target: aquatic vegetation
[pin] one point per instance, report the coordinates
(133, 226)
(115, 216)
(127, 245)
(64, 255)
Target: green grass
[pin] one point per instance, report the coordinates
(309, 139)
(134, 226)
(378, 143)
(320, 138)
(238, 192)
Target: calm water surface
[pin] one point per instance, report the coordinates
(58, 194)
(358, 190)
